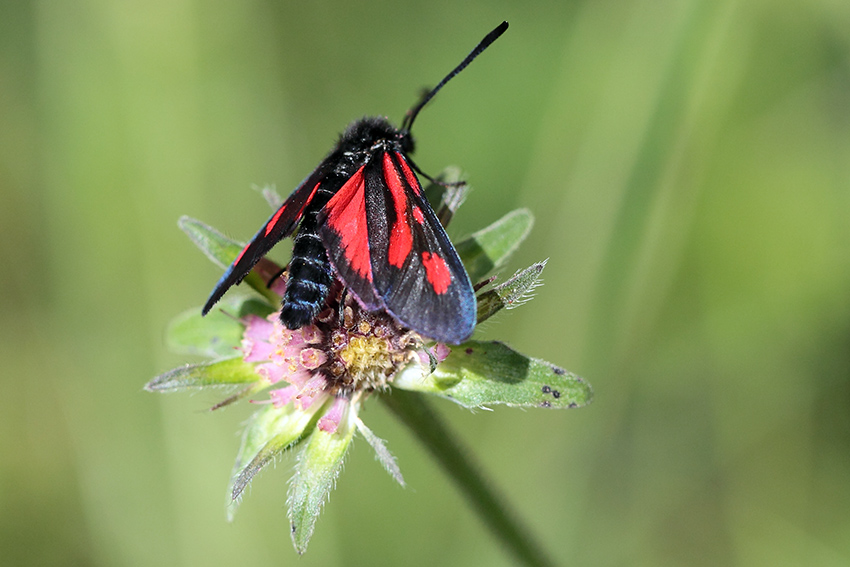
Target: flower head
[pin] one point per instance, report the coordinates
(310, 383)
(332, 364)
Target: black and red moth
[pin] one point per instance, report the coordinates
(362, 216)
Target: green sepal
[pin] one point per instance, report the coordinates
(217, 247)
(227, 372)
(319, 464)
(382, 454)
(435, 192)
(479, 373)
(510, 294)
(217, 334)
(269, 433)
(223, 251)
(490, 247)
(446, 196)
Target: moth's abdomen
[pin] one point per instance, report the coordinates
(310, 276)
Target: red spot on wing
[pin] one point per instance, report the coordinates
(437, 272)
(417, 214)
(346, 216)
(273, 221)
(401, 237)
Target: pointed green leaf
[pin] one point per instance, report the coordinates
(217, 334)
(448, 195)
(227, 372)
(434, 192)
(270, 432)
(383, 454)
(217, 247)
(510, 294)
(479, 373)
(491, 247)
(223, 251)
(319, 463)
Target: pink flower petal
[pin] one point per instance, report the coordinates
(310, 392)
(256, 351)
(257, 328)
(271, 373)
(330, 421)
(282, 396)
(310, 334)
(441, 351)
(312, 358)
(279, 286)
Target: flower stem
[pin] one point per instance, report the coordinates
(415, 412)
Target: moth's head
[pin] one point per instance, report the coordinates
(367, 133)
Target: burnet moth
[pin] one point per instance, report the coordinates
(362, 216)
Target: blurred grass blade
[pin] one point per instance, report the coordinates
(319, 463)
(479, 373)
(416, 413)
(510, 294)
(490, 247)
(223, 251)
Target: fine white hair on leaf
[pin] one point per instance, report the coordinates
(381, 452)
(528, 292)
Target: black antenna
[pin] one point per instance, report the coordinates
(407, 124)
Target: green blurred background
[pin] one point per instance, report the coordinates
(689, 166)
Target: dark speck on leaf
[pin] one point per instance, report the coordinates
(545, 404)
(469, 351)
(573, 405)
(546, 389)
(557, 370)
(556, 394)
